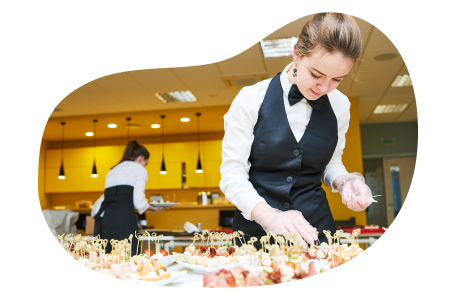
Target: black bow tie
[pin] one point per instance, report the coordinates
(294, 96)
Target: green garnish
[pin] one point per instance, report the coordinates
(294, 257)
(264, 271)
(269, 281)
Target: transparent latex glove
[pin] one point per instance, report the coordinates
(282, 222)
(356, 195)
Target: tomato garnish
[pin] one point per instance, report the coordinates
(164, 253)
(148, 252)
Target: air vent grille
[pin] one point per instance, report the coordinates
(238, 82)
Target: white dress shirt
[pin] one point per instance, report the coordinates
(239, 123)
(128, 173)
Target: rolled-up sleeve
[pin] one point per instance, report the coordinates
(335, 167)
(236, 145)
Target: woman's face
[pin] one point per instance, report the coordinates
(320, 73)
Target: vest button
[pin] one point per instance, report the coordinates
(295, 152)
(289, 179)
(286, 205)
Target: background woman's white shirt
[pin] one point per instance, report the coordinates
(128, 173)
(239, 123)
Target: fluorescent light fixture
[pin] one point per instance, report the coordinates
(112, 125)
(185, 119)
(89, 133)
(278, 47)
(390, 108)
(424, 80)
(155, 125)
(184, 96)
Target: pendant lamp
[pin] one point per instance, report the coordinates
(62, 172)
(163, 167)
(128, 129)
(94, 169)
(199, 168)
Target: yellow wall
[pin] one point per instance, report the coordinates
(353, 162)
(352, 159)
(44, 198)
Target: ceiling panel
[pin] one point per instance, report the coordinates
(198, 84)
(159, 80)
(214, 97)
(103, 101)
(409, 115)
(382, 118)
(248, 62)
(75, 129)
(206, 71)
(275, 65)
(365, 107)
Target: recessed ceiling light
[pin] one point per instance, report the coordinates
(89, 133)
(112, 125)
(385, 56)
(424, 80)
(184, 96)
(155, 125)
(278, 47)
(185, 119)
(390, 108)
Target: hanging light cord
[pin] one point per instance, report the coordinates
(94, 138)
(128, 130)
(63, 126)
(198, 135)
(163, 136)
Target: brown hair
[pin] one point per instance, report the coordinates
(333, 32)
(133, 151)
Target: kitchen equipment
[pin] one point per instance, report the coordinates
(204, 198)
(169, 204)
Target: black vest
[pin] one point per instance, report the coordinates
(119, 218)
(287, 173)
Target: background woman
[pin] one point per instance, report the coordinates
(124, 191)
(284, 135)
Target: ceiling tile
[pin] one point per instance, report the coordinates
(158, 80)
(366, 107)
(382, 118)
(197, 72)
(409, 115)
(198, 84)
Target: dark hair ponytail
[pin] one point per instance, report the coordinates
(133, 151)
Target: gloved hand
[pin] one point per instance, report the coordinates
(356, 195)
(282, 222)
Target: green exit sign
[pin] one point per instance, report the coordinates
(387, 142)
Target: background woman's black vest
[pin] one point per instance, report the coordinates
(285, 172)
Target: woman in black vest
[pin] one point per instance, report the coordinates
(284, 135)
(124, 191)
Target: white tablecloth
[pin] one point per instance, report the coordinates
(190, 279)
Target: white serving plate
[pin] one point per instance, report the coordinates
(164, 204)
(205, 270)
(173, 277)
(167, 260)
